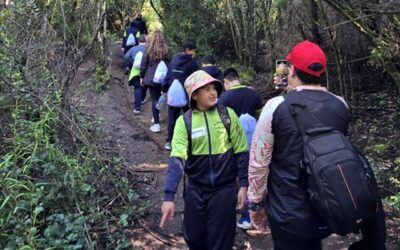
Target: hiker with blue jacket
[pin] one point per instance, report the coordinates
(279, 176)
(134, 58)
(129, 56)
(156, 55)
(247, 104)
(209, 146)
(182, 65)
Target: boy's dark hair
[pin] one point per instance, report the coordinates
(208, 59)
(231, 74)
(310, 79)
(142, 39)
(188, 45)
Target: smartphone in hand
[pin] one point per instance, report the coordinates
(281, 73)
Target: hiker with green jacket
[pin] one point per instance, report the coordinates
(214, 157)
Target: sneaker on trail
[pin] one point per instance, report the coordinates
(167, 146)
(244, 223)
(144, 101)
(155, 128)
(136, 111)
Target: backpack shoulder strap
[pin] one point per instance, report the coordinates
(187, 118)
(305, 120)
(225, 118)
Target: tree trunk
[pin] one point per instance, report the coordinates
(316, 36)
(373, 33)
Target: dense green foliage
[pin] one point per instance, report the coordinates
(257, 32)
(58, 187)
(193, 20)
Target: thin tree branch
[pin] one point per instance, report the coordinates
(64, 20)
(157, 12)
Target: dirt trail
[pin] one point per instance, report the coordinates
(142, 150)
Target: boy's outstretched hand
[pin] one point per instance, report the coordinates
(167, 210)
(242, 197)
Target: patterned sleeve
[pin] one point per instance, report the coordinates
(261, 151)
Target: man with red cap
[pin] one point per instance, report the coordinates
(277, 150)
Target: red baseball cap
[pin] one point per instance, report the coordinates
(306, 53)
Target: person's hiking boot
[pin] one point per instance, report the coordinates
(167, 146)
(155, 128)
(136, 111)
(144, 101)
(244, 223)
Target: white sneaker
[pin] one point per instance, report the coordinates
(244, 225)
(155, 128)
(167, 146)
(136, 111)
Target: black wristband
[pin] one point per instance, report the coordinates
(255, 206)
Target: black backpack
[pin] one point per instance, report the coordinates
(341, 183)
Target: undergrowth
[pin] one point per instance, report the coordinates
(59, 186)
(52, 198)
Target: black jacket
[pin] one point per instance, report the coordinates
(148, 68)
(141, 25)
(242, 100)
(181, 66)
(132, 29)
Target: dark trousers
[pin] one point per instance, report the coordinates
(286, 241)
(173, 114)
(155, 93)
(144, 92)
(373, 237)
(373, 234)
(209, 221)
(137, 92)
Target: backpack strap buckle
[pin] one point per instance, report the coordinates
(304, 165)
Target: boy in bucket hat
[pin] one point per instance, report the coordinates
(213, 155)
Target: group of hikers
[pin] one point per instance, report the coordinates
(238, 154)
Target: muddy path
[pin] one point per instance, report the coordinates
(143, 153)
